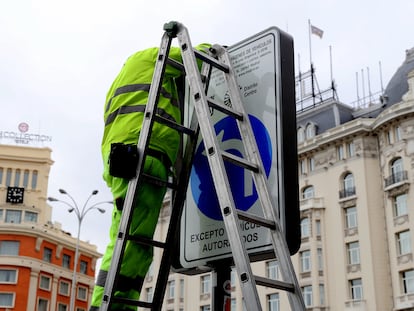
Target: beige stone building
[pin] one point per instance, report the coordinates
(356, 167)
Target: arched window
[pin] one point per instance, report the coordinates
(397, 170)
(308, 192)
(348, 184)
(301, 135)
(310, 130)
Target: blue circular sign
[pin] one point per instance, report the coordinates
(241, 180)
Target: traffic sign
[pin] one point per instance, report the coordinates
(263, 65)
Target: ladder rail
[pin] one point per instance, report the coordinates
(130, 198)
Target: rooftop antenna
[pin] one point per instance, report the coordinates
(369, 86)
(363, 86)
(357, 88)
(380, 72)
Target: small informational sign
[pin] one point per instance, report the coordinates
(256, 63)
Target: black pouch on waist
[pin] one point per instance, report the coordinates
(123, 160)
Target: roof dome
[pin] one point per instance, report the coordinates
(398, 84)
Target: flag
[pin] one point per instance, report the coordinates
(317, 31)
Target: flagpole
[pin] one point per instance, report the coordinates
(310, 41)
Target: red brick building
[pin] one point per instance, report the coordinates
(36, 255)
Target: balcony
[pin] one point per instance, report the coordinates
(395, 178)
(347, 192)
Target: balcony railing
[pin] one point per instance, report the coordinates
(350, 191)
(396, 178)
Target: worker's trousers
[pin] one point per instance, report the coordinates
(137, 258)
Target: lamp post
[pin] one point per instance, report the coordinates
(80, 214)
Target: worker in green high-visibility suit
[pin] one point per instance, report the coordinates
(123, 116)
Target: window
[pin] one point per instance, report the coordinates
(404, 242)
(353, 253)
(44, 282)
(397, 170)
(400, 205)
(1, 214)
(318, 227)
(66, 261)
(25, 178)
(321, 294)
(308, 192)
(17, 178)
(82, 293)
(351, 217)
(408, 281)
(13, 216)
(348, 185)
(149, 291)
(311, 163)
(340, 152)
(1, 175)
(301, 135)
(320, 259)
(356, 289)
(171, 289)
(272, 270)
(8, 177)
(302, 166)
(7, 300)
(42, 304)
(205, 284)
(307, 295)
(34, 179)
(83, 268)
(397, 132)
(205, 308)
(182, 289)
(351, 149)
(273, 302)
(62, 307)
(30, 217)
(310, 131)
(47, 254)
(9, 248)
(8, 276)
(64, 288)
(305, 227)
(305, 261)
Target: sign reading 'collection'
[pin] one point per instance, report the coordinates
(24, 137)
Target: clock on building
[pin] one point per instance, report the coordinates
(14, 195)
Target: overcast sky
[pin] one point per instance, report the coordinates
(58, 59)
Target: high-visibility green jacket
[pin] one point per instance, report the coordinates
(126, 101)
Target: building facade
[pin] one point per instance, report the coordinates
(36, 255)
(356, 170)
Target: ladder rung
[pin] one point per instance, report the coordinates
(239, 161)
(132, 302)
(146, 241)
(212, 61)
(256, 220)
(159, 182)
(225, 109)
(174, 125)
(176, 65)
(274, 284)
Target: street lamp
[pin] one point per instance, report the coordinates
(80, 214)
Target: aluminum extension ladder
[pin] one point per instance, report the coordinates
(201, 122)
